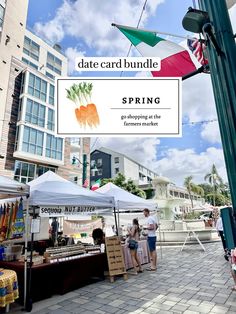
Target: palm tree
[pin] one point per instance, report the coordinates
(189, 186)
(214, 179)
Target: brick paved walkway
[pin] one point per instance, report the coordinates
(186, 282)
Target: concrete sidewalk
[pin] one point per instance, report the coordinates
(187, 282)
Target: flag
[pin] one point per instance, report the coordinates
(96, 185)
(86, 183)
(198, 49)
(175, 60)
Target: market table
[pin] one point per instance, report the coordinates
(143, 254)
(58, 278)
(8, 287)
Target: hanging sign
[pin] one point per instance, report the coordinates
(51, 211)
(59, 211)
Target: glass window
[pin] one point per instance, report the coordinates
(31, 48)
(51, 94)
(30, 63)
(37, 87)
(99, 162)
(2, 9)
(24, 172)
(54, 147)
(32, 141)
(42, 169)
(53, 63)
(99, 172)
(51, 124)
(117, 170)
(50, 75)
(117, 159)
(35, 113)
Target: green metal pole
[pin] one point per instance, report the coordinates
(223, 76)
(84, 168)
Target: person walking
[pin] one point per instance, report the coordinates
(151, 239)
(220, 231)
(134, 236)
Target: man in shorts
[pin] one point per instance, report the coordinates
(151, 239)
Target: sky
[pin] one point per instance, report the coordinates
(83, 28)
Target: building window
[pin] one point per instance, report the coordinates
(30, 63)
(51, 94)
(53, 63)
(32, 141)
(100, 172)
(51, 124)
(117, 170)
(42, 169)
(50, 75)
(2, 10)
(140, 168)
(141, 176)
(37, 87)
(117, 160)
(31, 48)
(54, 147)
(35, 113)
(92, 163)
(99, 162)
(24, 172)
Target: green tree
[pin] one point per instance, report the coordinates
(215, 180)
(125, 184)
(189, 186)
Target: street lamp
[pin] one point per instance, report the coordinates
(84, 164)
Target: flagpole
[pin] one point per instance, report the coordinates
(153, 31)
(199, 70)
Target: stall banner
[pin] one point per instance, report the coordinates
(61, 211)
(73, 227)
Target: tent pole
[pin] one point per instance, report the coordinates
(114, 211)
(26, 248)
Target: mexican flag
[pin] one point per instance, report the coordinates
(175, 60)
(96, 185)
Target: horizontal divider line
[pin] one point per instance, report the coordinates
(141, 108)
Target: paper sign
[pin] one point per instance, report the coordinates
(118, 106)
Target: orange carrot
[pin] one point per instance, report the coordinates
(92, 116)
(78, 115)
(83, 112)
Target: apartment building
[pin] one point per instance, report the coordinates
(106, 163)
(29, 146)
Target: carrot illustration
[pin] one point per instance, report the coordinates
(92, 118)
(85, 111)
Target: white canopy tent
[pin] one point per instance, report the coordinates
(11, 188)
(51, 189)
(125, 200)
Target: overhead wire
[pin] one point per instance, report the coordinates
(139, 21)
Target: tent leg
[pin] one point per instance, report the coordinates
(114, 211)
(26, 248)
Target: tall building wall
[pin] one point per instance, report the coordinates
(28, 68)
(12, 28)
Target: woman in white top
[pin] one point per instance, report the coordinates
(134, 234)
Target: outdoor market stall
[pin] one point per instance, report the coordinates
(55, 197)
(125, 201)
(11, 188)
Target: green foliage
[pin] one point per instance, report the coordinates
(193, 188)
(127, 185)
(217, 185)
(218, 198)
(192, 215)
